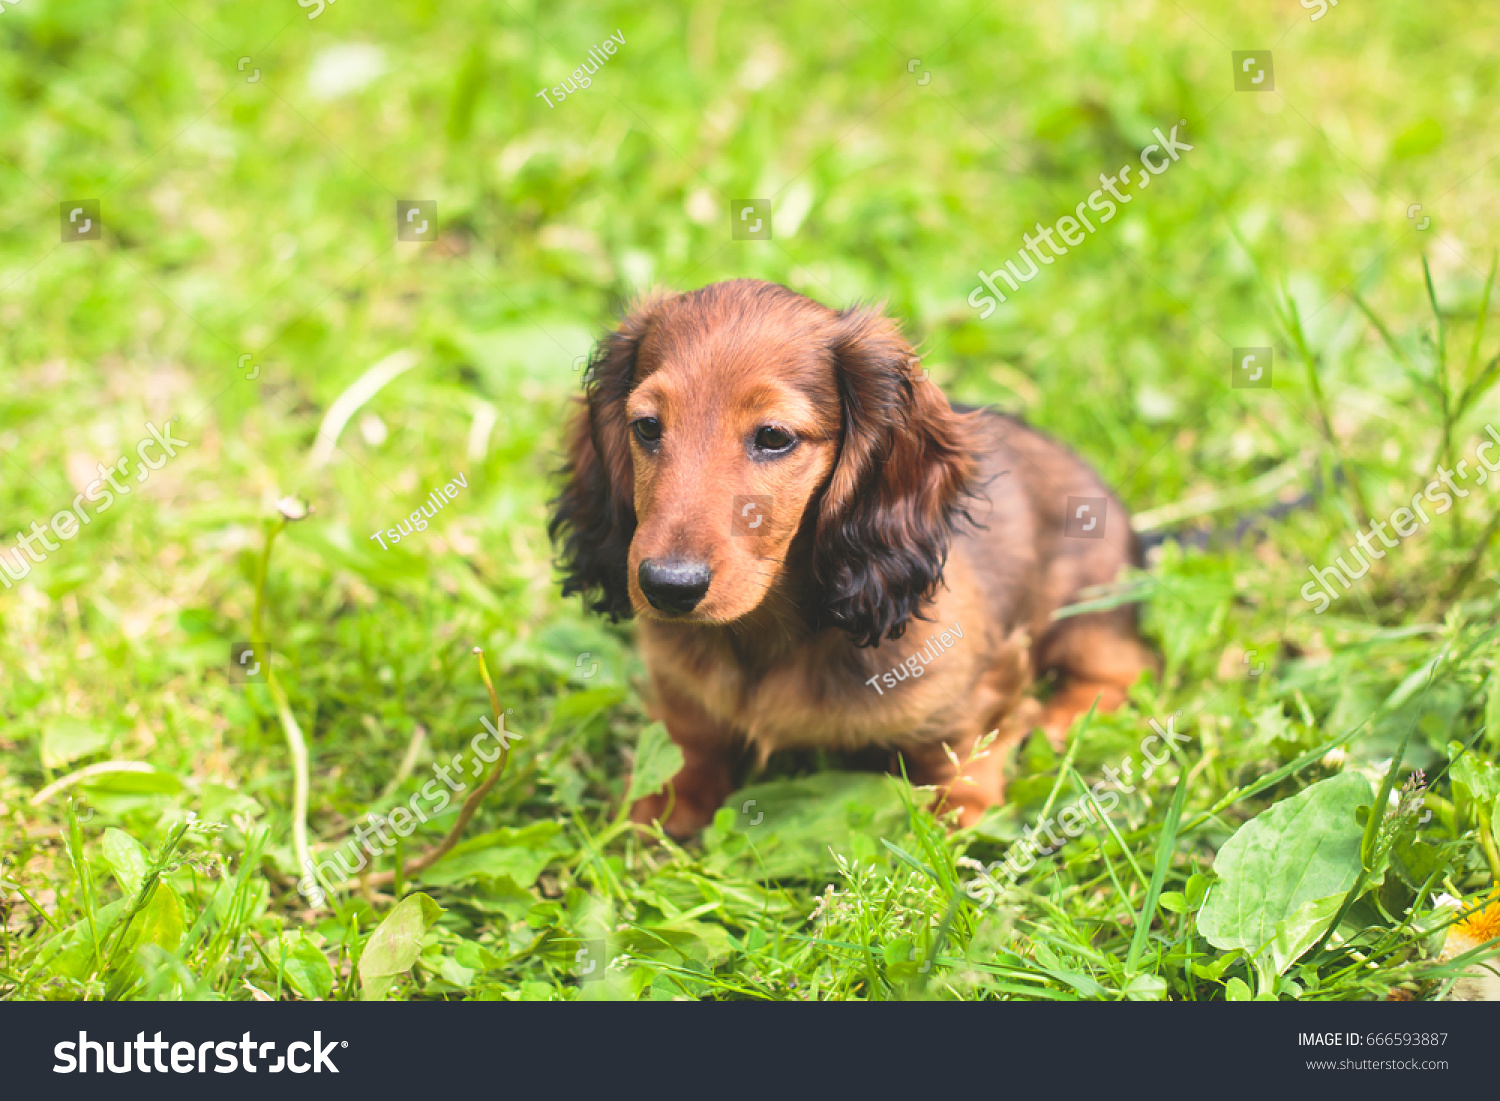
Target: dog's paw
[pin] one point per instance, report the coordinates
(687, 816)
(970, 808)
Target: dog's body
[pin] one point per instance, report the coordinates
(897, 583)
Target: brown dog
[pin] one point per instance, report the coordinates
(822, 552)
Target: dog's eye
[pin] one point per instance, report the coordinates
(647, 430)
(773, 439)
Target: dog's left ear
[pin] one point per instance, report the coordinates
(897, 490)
(593, 517)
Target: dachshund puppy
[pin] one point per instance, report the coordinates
(822, 552)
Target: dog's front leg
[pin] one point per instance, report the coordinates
(709, 755)
(977, 781)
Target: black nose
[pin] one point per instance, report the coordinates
(674, 585)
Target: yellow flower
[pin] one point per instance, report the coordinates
(1481, 925)
(1480, 982)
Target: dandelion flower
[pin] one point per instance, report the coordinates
(1480, 982)
(1481, 925)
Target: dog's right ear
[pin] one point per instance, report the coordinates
(593, 518)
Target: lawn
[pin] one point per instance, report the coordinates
(342, 256)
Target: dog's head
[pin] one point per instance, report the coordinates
(742, 440)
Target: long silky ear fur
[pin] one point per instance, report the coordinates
(593, 518)
(898, 489)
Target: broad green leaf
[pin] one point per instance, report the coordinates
(1422, 137)
(306, 969)
(1215, 970)
(375, 988)
(70, 954)
(1302, 849)
(788, 827)
(219, 803)
(1414, 860)
(1146, 988)
(577, 706)
(657, 760)
(520, 853)
(705, 941)
(1237, 990)
(395, 944)
(1476, 784)
(1478, 775)
(450, 970)
(1197, 887)
(476, 957)
(900, 958)
(127, 858)
(1298, 932)
(160, 923)
(67, 739)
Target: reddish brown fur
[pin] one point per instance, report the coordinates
(892, 511)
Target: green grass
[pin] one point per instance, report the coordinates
(255, 218)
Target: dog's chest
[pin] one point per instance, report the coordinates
(824, 696)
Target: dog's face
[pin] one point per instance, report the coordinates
(722, 424)
(733, 427)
